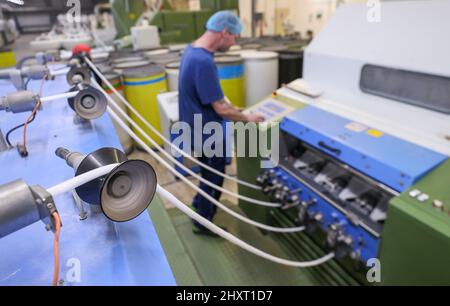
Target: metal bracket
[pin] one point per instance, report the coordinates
(46, 206)
(80, 207)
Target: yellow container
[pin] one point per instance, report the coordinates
(231, 74)
(141, 87)
(7, 59)
(116, 81)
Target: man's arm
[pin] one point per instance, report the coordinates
(228, 111)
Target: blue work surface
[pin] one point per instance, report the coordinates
(104, 252)
(390, 160)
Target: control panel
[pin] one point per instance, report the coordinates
(271, 109)
(348, 207)
(338, 179)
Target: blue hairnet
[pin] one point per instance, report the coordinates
(224, 20)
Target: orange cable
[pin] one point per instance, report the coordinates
(55, 215)
(38, 104)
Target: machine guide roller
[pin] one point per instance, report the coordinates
(89, 103)
(124, 193)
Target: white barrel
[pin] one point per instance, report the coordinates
(261, 75)
(116, 82)
(239, 52)
(173, 74)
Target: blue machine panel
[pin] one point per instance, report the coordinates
(104, 252)
(364, 243)
(388, 159)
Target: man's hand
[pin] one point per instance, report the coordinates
(255, 118)
(228, 111)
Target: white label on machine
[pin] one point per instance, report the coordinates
(271, 109)
(356, 127)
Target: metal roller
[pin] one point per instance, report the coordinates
(78, 74)
(124, 193)
(89, 103)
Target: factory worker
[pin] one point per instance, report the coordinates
(200, 94)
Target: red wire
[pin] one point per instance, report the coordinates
(38, 104)
(55, 216)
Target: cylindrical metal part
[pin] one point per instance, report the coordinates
(20, 101)
(2, 103)
(4, 75)
(18, 207)
(73, 159)
(35, 72)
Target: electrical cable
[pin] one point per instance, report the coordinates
(57, 219)
(32, 116)
(80, 180)
(119, 121)
(153, 129)
(26, 83)
(23, 60)
(233, 239)
(88, 176)
(7, 136)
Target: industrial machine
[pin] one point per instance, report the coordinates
(104, 225)
(364, 160)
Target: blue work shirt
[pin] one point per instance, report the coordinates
(199, 87)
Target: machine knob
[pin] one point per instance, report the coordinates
(310, 220)
(281, 194)
(340, 243)
(292, 201)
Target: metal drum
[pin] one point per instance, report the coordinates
(252, 46)
(231, 74)
(116, 82)
(120, 67)
(141, 87)
(164, 59)
(235, 48)
(291, 65)
(280, 49)
(100, 57)
(261, 75)
(275, 48)
(123, 60)
(177, 47)
(173, 74)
